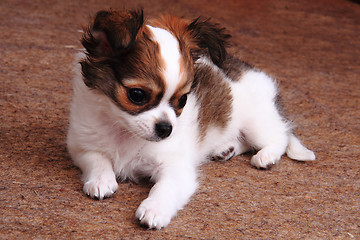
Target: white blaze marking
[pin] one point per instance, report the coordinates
(169, 50)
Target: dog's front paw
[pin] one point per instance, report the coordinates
(153, 214)
(100, 187)
(224, 155)
(264, 159)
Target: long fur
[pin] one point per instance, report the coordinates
(129, 118)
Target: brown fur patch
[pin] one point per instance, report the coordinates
(214, 96)
(112, 32)
(122, 56)
(183, 88)
(234, 68)
(211, 40)
(141, 68)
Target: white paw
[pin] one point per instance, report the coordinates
(153, 214)
(100, 187)
(264, 159)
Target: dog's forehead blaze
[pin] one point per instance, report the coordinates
(178, 28)
(147, 60)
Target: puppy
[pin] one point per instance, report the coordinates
(159, 98)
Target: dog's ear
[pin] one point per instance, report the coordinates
(112, 32)
(210, 38)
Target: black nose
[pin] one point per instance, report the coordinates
(163, 129)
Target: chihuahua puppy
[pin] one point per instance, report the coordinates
(158, 98)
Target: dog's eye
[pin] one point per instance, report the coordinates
(137, 96)
(182, 101)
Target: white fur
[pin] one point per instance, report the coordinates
(106, 143)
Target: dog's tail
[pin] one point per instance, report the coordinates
(297, 151)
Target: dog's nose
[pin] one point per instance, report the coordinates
(163, 129)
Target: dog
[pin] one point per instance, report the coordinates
(158, 98)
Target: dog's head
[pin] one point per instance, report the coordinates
(147, 70)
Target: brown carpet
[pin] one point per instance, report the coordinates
(311, 47)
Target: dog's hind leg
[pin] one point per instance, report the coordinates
(271, 152)
(270, 135)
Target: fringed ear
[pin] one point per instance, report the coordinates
(211, 38)
(112, 32)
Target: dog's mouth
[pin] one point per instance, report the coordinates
(153, 139)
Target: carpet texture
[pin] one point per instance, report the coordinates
(311, 47)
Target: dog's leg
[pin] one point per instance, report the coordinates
(173, 188)
(268, 155)
(269, 134)
(98, 175)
